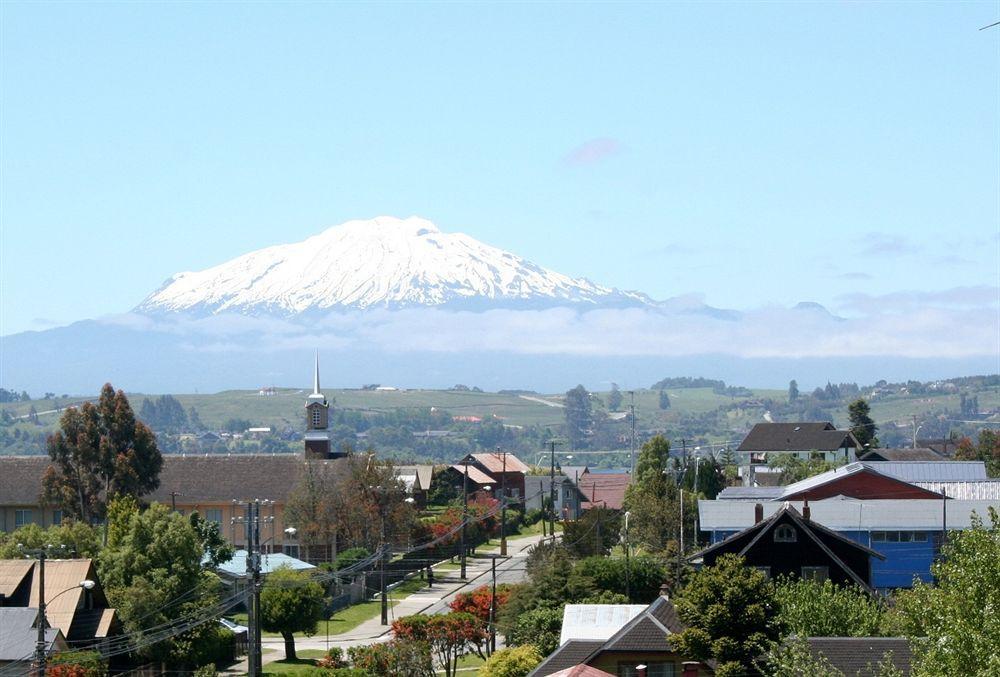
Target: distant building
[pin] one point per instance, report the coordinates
(805, 440)
(918, 454)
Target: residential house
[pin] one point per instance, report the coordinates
(805, 440)
(234, 572)
(643, 640)
(906, 531)
(19, 637)
(568, 497)
(82, 616)
(918, 454)
(505, 469)
(789, 543)
(604, 489)
(417, 479)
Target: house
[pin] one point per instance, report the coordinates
(854, 480)
(19, 637)
(568, 497)
(417, 480)
(81, 615)
(805, 440)
(907, 531)
(789, 543)
(918, 454)
(604, 489)
(596, 621)
(642, 640)
(475, 480)
(861, 655)
(505, 469)
(234, 572)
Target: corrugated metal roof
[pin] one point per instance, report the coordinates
(850, 515)
(596, 621)
(931, 471)
(475, 474)
(19, 634)
(237, 566)
(981, 490)
(823, 478)
(494, 462)
(750, 493)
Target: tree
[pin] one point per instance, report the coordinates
(478, 601)
(512, 662)
(987, 450)
(664, 400)
(615, 398)
(814, 609)
(395, 658)
(69, 539)
(793, 391)
(540, 628)
(579, 416)
(290, 602)
(216, 548)
(862, 424)
(954, 625)
(152, 574)
(595, 533)
(450, 636)
(731, 614)
(641, 582)
(98, 452)
(313, 508)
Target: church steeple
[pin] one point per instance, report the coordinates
(317, 436)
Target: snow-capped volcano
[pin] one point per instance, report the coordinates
(383, 262)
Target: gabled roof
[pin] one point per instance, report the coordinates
(494, 462)
(604, 488)
(885, 481)
(648, 631)
(856, 655)
(582, 671)
(18, 634)
(568, 656)
(475, 474)
(415, 476)
(808, 527)
(918, 454)
(805, 436)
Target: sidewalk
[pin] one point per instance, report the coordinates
(447, 585)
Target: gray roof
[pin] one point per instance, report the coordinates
(980, 490)
(21, 479)
(572, 653)
(842, 514)
(861, 655)
(802, 436)
(931, 471)
(750, 493)
(918, 454)
(18, 636)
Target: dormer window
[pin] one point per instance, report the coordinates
(785, 533)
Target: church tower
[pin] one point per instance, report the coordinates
(317, 437)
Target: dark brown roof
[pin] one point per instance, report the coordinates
(648, 631)
(570, 654)
(213, 477)
(861, 655)
(918, 454)
(495, 463)
(806, 436)
(21, 479)
(224, 478)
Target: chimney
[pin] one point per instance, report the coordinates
(640, 670)
(805, 509)
(758, 513)
(690, 669)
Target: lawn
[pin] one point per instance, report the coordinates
(468, 662)
(306, 658)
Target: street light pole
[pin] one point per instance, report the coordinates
(465, 513)
(503, 506)
(40, 643)
(552, 490)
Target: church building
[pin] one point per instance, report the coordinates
(317, 436)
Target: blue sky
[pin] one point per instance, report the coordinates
(765, 153)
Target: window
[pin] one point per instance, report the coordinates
(22, 517)
(785, 533)
(315, 417)
(899, 536)
(819, 574)
(291, 550)
(56, 517)
(905, 536)
(920, 536)
(213, 515)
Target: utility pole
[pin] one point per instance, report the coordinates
(628, 567)
(465, 513)
(944, 519)
(173, 500)
(381, 559)
(914, 418)
(41, 622)
(503, 506)
(632, 439)
(252, 521)
(552, 489)
(493, 607)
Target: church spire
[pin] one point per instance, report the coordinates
(316, 376)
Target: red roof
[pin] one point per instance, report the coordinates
(581, 671)
(604, 489)
(494, 462)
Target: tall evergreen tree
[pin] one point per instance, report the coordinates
(862, 424)
(99, 451)
(793, 391)
(615, 398)
(664, 400)
(579, 416)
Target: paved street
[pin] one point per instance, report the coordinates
(447, 585)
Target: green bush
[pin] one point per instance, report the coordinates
(539, 627)
(206, 671)
(532, 516)
(512, 662)
(350, 557)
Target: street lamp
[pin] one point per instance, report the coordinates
(40, 652)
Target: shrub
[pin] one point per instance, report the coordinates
(532, 516)
(206, 671)
(539, 627)
(512, 662)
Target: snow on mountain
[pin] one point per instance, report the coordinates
(383, 262)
